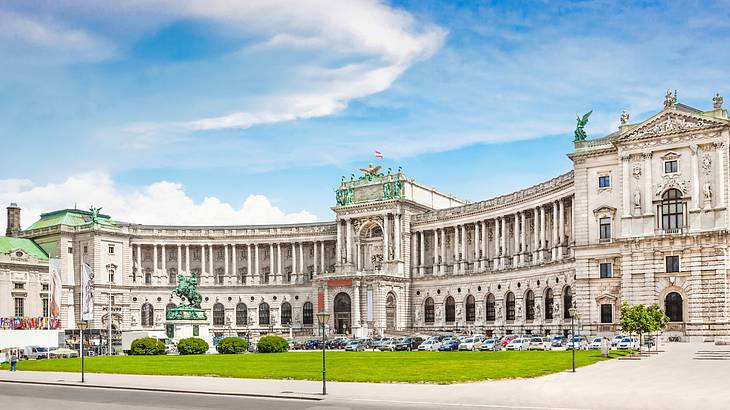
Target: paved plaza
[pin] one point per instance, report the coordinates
(699, 369)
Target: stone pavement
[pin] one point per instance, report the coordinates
(685, 376)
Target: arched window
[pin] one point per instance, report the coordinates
(450, 310)
(219, 315)
(168, 308)
(241, 314)
(286, 313)
(172, 276)
(567, 302)
(264, 318)
(471, 313)
(509, 301)
(428, 311)
(530, 305)
(491, 308)
(549, 304)
(308, 313)
(673, 307)
(672, 210)
(148, 315)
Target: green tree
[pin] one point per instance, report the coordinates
(636, 319)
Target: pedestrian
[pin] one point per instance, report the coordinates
(13, 362)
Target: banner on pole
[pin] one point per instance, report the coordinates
(87, 292)
(370, 304)
(54, 289)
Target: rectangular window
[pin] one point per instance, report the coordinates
(70, 250)
(18, 285)
(672, 264)
(606, 313)
(604, 181)
(111, 249)
(605, 228)
(44, 287)
(86, 249)
(19, 307)
(670, 167)
(606, 270)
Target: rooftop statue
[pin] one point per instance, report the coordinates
(371, 171)
(670, 100)
(95, 213)
(580, 133)
(717, 101)
(624, 117)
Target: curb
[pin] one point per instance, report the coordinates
(148, 389)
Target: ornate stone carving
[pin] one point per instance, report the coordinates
(670, 100)
(706, 164)
(636, 171)
(673, 181)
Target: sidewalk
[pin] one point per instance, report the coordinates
(678, 378)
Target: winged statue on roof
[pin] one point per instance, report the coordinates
(580, 132)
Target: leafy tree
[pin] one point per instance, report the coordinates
(147, 346)
(659, 319)
(192, 345)
(231, 345)
(641, 319)
(272, 344)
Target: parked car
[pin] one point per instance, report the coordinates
(491, 345)
(311, 344)
(355, 346)
(408, 343)
(539, 343)
(648, 341)
(34, 352)
(505, 340)
(616, 340)
(628, 343)
(558, 341)
(376, 342)
(517, 344)
(449, 345)
(470, 343)
(430, 344)
(388, 345)
(596, 343)
(577, 343)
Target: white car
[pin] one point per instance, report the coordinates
(429, 345)
(596, 343)
(579, 342)
(517, 344)
(628, 343)
(539, 343)
(470, 343)
(617, 339)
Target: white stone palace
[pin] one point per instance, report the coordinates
(641, 218)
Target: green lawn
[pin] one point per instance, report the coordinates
(410, 367)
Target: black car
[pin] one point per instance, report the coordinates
(313, 344)
(408, 344)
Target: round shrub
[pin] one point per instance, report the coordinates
(231, 345)
(272, 344)
(192, 345)
(147, 346)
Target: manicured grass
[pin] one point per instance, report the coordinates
(410, 367)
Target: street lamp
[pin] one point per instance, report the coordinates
(82, 325)
(571, 312)
(323, 318)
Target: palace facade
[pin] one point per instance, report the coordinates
(641, 218)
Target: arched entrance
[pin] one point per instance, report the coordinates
(673, 307)
(371, 246)
(342, 313)
(390, 311)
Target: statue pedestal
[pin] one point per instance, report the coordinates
(187, 321)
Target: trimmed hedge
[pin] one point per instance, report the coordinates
(231, 345)
(272, 344)
(147, 346)
(192, 345)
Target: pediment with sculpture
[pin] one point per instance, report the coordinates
(672, 122)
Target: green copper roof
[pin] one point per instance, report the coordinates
(69, 217)
(9, 244)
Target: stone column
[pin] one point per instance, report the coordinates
(249, 267)
(456, 250)
(211, 272)
(648, 191)
(179, 258)
(442, 242)
(348, 245)
(356, 305)
(272, 271)
(397, 242)
(293, 262)
(523, 236)
(504, 240)
(279, 273)
(695, 179)
(435, 251)
(536, 235)
(561, 228)
(542, 233)
(720, 167)
(315, 260)
(225, 260)
(187, 258)
(140, 271)
(497, 255)
(555, 231)
(234, 260)
(422, 252)
(154, 260)
(257, 272)
(477, 241)
(338, 245)
(301, 267)
(164, 261)
(626, 186)
(516, 253)
(463, 258)
(484, 246)
(386, 239)
(321, 257)
(202, 263)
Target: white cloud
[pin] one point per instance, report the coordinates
(158, 203)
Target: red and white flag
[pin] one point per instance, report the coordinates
(378, 154)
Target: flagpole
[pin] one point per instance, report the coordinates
(81, 315)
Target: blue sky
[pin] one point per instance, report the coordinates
(194, 111)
